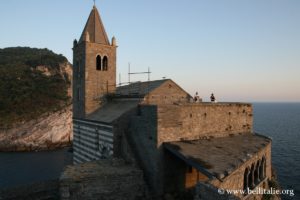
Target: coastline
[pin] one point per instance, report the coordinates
(15, 147)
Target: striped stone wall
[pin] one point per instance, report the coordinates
(92, 140)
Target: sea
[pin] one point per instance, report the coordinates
(279, 121)
(17, 169)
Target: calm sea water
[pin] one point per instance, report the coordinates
(24, 168)
(280, 121)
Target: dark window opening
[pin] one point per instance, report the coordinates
(251, 177)
(98, 63)
(105, 63)
(246, 179)
(256, 174)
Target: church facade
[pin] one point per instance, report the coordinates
(179, 145)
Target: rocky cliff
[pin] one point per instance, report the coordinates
(35, 100)
(49, 131)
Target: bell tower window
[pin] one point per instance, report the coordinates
(105, 63)
(98, 63)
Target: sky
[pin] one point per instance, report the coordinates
(241, 50)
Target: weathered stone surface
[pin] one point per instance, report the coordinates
(102, 180)
(50, 131)
(193, 121)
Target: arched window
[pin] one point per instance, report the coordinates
(251, 178)
(105, 63)
(262, 169)
(246, 178)
(98, 63)
(256, 173)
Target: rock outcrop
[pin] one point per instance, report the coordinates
(35, 100)
(50, 131)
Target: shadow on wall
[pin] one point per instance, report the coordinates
(142, 137)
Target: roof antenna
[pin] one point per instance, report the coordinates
(94, 3)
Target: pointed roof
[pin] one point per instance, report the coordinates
(94, 29)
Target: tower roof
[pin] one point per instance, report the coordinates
(94, 29)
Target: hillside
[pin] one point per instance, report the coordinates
(32, 82)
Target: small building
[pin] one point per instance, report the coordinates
(179, 145)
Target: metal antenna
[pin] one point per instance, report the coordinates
(129, 73)
(94, 2)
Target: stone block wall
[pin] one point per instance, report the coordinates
(202, 121)
(92, 141)
(142, 139)
(120, 129)
(78, 80)
(89, 84)
(235, 180)
(98, 83)
(156, 124)
(168, 93)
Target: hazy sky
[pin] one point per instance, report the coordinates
(242, 50)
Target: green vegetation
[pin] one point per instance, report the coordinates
(25, 92)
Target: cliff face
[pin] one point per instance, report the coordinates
(35, 100)
(50, 131)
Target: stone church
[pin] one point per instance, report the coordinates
(149, 140)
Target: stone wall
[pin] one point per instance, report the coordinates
(89, 84)
(154, 125)
(98, 83)
(202, 120)
(168, 93)
(142, 139)
(120, 129)
(209, 192)
(92, 140)
(42, 190)
(236, 179)
(50, 131)
(78, 83)
(102, 180)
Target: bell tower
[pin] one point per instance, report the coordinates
(94, 67)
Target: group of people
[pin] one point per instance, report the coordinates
(198, 99)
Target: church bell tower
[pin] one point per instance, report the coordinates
(94, 67)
